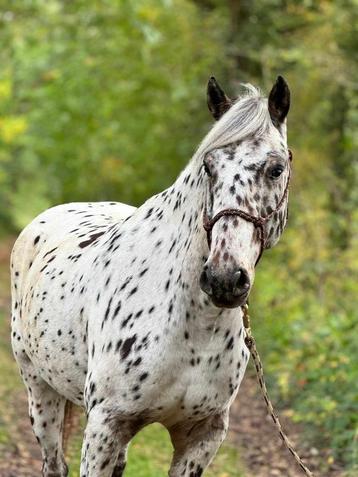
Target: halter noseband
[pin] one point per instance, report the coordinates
(259, 222)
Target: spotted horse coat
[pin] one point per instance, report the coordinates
(129, 313)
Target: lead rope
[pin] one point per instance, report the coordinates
(251, 345)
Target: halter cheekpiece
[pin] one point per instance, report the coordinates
(259, 222)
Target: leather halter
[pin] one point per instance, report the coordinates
(259, 222)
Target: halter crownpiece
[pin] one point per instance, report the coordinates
(259, 222)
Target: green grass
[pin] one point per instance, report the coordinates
(9, 385)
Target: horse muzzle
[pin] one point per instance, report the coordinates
(227, 291)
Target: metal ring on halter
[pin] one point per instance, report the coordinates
(258, 221)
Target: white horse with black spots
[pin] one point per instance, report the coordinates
(135, 313)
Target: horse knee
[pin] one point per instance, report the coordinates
(55, 468)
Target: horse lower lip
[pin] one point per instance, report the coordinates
(223, 302)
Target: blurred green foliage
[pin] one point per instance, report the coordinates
(99, 99)
(106, 100)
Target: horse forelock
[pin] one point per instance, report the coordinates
(249, 116)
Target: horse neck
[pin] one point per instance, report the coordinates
(182, 206)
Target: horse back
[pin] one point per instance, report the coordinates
(68, 227)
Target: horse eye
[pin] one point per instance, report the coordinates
(276, 171)
(206, 169)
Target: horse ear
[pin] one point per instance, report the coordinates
(279, 101)
(218, 102)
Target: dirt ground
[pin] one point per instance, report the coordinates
(261, 448)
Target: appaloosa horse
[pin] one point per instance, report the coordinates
(135, 313)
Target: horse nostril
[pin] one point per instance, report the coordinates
(241, 281)
(205, 284)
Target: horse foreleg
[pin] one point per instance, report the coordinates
(105, 443)
(195, 445)
(120, 464)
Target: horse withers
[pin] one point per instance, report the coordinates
(134, 314)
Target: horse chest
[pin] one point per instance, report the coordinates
(174, 378)
(207, 378)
